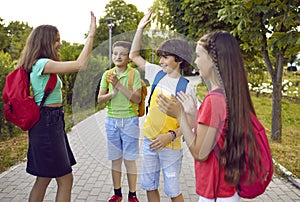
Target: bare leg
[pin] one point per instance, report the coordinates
(116, 172)
(131, 174)
(64, 187)
(153, 196)
(178, 198)
(38, 190)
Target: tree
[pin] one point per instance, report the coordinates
(17, 33)
(126, 19)
(273, 27)
(4, 40)
(162, 15)
(69, 52)
(192, 18)
(7, 129)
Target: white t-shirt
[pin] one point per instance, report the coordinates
(167, 84)
(156, 121)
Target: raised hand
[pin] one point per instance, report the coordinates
(92, 31)
(145, 20)
(187, 103)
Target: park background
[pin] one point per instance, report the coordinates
(268, 33)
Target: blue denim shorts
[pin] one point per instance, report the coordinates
(167, 160)
(122, 138)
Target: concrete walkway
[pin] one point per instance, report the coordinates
(92, 176)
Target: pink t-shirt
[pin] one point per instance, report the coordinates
(212, 112)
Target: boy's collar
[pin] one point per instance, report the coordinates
(125, 72)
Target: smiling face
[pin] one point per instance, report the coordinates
(169, 64)
(203, 62)
(120, 56)
(56, 47)
(57, 43)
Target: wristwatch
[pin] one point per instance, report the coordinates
(173, 133)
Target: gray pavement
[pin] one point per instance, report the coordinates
(92, 176)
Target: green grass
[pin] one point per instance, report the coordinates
(12, 151)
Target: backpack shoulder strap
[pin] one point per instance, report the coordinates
(130, 86)
(49, 87)
(182, 84)
(110, 71)
(157, 78)
(130, 78)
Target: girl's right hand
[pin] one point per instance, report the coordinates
(145, 20)
(92, 31)
(187, 103)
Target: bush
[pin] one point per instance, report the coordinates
(7, 130)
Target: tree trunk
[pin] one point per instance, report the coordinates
(276, 113)
(277, 99)
(276, 75)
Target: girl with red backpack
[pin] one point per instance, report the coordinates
(225, 143)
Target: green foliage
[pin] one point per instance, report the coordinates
(86, 85)
(4, 40)
(192, 18)
(68, 53)
(17, 33)
(271, 27)
(7, 130)
(162, 15)
(256, 20)
(12, 151)
(126, 19)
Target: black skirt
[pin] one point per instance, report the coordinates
(49, 153)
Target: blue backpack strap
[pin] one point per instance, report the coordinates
(157, 78)
(181, 85)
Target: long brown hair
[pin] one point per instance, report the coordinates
(39, 44)
(225, 52)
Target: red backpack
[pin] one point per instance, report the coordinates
(259, 184)
(20, 108)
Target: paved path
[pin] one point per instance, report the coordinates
(92, 177)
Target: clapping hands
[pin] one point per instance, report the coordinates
(112, 78)
(175, 105)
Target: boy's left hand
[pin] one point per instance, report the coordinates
(170, 106)
(160, 142)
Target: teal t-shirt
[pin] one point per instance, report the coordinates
(120, 106)
(39, 81)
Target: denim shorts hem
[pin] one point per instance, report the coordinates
(149, 189)
(173, 195)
